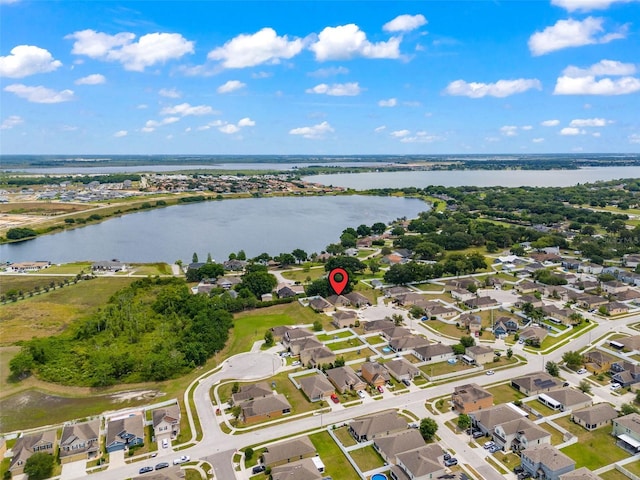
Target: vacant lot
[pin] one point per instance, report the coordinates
(336, 464)
(42, 208)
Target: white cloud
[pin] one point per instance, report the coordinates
(405, 23)
(39, 94)
(589, 122)
(10, 122)
(400, 133)
(169, 93)
(380, 128)
(264, 46)
(588, 85)
(392, 102)
(586, 5)
(634, 138)
(421, 137)
(509, 130)
(93, 79)
(229, 128)
(315, 132)
(596, 134)
(526, 127)
(185, 109)
(329, 72)
(142, 106)
(550, 123)
(151, 125)
(25, 60)
(572, 131)
(246, 122)
(231, 86)
(603, 67)
(538, 140)
(348, 41)
(149, 50)
(121, 133)
(572, 33)
(336, 89)
(500, 89)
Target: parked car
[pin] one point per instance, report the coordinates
(518, 469)
(162, 465)
(145, 470)
(182, 459)
(297, 363)
(615, 386)
(446, 456)
(406, 382)
(582, 371)
(477, 434)
(494, 449)
(334, 398)
(165, 443)
(451, 462)
(489, 372)
(258, 469)
(380, 389)
(361, 394)
(488, 445)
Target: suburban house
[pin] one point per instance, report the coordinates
(265, 408)
(344, 318)
(471, 397)
(22, 267)
(595, 416)
(305, 469)
(614, 286)
(395, 332)
(378, 325)
(80, 438)
(401, 369)
(486, 420)
(526, 287)
(374, 373)
(395, 291)
(338, 300)
(410, 342)
(436, 352)
(598, 362)
(126, 432)
(565, 399)
(589, 302)
(627, 430)
(288, 291)
(505, 326)
(344, 378)
(481, 302)
(524, 299)
(279, 331)
(288, 452)
(391, 445)
(536, 383)
(480, 354)
(317, 356)
(627, 295)
(631, 260)
(560, 315)
(440, 313)
(228, 282)
(461, 295)
(357, 299)
(546, 461)
(630, 343)
(108, 266)
(234, 265)
(27, 445)
(166, 420)
(410, 299)
(378, 424)
(616, 308)
(473, 323)
(534, 333)
(316, 387)
(299, 344)
(421, 464)
(583, 473)
(625, 373)
(319, 304)
(517, 435)
(251, 391)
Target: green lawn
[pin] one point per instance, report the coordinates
(331, 336)
(633, 467)
(302, 276)
(505, 393)
(66, 268)
(613, 474)
(354, 355)
(336, 464)
(376, 340)
(367, 458)
(151, 269)
(344, 436)
(556, 437)
(352, 342)
(443, 368)
(540, 408)
(594, 449)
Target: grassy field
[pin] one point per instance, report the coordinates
(302, 276)
(556, 437)
(336, 464)
(325, 337)
(367, 458)
(351, 342)
(354, 355)
(27, 283)
(42, 208)
(442, 368)
(150, 269)
(540, 408)
(613, 474)
(69, 268)
(504, 393)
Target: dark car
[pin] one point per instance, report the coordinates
(258, 469)
(162, 465)
(518, 469)
(446, 456)
(406, 382)
(145, 470)
(478, 434)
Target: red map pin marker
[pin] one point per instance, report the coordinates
(338, 285)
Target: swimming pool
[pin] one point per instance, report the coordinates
(385, 350)
(379, 476)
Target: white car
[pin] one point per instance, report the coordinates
(489, 372)
(182, 459)
(582, 371)
(361, 394)
(616, 386)
(165, 443)
(296, 363)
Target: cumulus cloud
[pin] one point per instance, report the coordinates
(572, 131)
(169, 93)
(264, 46)
(500, 89)
(572, 33)
(589, 85)
(421, 137)
(25, 60)
(400, 133)
(526, 127)
(246, 122)
(185, 109)
(586, 5)
(603, 67)
(405, 23)
(231, 86)
(509, 130)
(149, 50)
(315, 132)
(392, 102)
(151, 125)
(229, 128)
(121, 133)
(589, 122)
(538, 140)
(93, 79)
(348, 41)
(550, 123)
(329, 72)
(336, 89)
(10, 122)
(39, 94)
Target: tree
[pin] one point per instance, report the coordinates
(300, 255)
(363, 230)
(428, 428)
(258, 283)
(467, 341)
(397, 319)
(317, 326)
(627, 409)
(492, 247)
(39, 466)
(340, 362)
(20, 233)
(268, 338)
(286, 259)
(241, 255)
(374, 265)
(194, 258)
(21, 365)
(235, 388)
(509, 353)
(378, 228)
(572, 360)
(248, 454)
(552, 369)
(584, 386)
(209, 258)
(464, 421)
(416, 312)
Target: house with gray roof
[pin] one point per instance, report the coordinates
(316, 387)
(319, 304)
(305, 343)
(401, 369)
(546, 461)
(344, 318)
(423, 463)
(251, 391)
(357, 299)
(80, 438)
(317, 356)
(378, 424)
(265, 408)
(378, 325)
(123, 433)
(480, 354)
(374, 373)
(304, 469)
(627, 430)
(519, 434)
(166, 420)
(565, 399)
(409, 342)
(583, 473)
(536, 383)
(288, 452)
(471, 397)
(391, 445)
(434, 353)
(344, 379)
(292, 334)
(27, 445)
(625, 373)
(630, 343)
(534, 333)
(486, 420)
(596, 416)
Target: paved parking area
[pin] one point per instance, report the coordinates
(74, 470)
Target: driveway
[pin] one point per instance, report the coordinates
(74, 470)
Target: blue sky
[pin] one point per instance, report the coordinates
(303, 77)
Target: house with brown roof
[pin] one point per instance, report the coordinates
(357, 299)
(80, 438)
(288, 452)
(378, 424)
(472, 322)
(434, 353)
(481, 302)
(546, 461)
(123, 433)
(300, 344)
(534, 301)
(480, 354)
(401, 369)
(517, 435)
(279, 331)
(344, 318)
(421, 464)
(316, 387)
(526, 287)
(304, 469)
(627, 295)
(565, 399)
(374, 374)
(595, 416)
(534, 333)
(627, 430)
(27, 445)
(317, 356)
(395, 332)
(630, 343)
(166, 420)
(265, 408)
(470, 398)
(536, 383)
(378, 325)
(583, 473)
(616, 308)
(291, 334)
(288, 291)
(591, 301)
(319, 304)
(597, 361)
(391, 445)
(338, 300)
(410, 342)
(344, 379)
(561, 315)
(440, 312)
(410, 299)
(251, 391)
(614, 286)
(486, 420)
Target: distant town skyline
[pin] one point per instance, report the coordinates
(319, 78)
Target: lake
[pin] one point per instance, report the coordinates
(255, 225)
(478, 178)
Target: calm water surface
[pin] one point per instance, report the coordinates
(256, 225)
